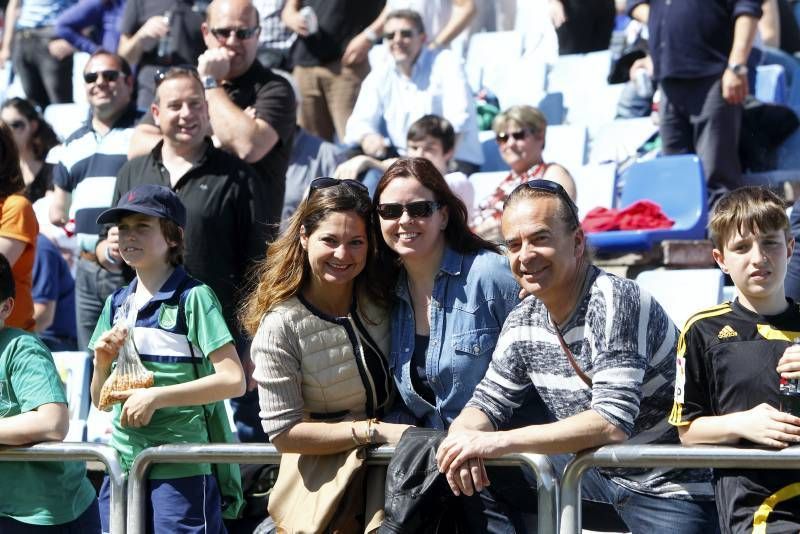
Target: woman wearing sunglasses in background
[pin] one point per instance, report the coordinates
(520, 134)
(34, 138)
(452, 293)
(321, 334)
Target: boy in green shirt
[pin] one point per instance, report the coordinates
(181, 337)
(37, 496)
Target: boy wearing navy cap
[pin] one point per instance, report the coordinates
(182, 338)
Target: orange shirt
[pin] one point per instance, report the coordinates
(18, 222)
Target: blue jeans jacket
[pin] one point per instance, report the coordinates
(472, 295)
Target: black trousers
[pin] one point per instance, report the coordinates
(696, 119)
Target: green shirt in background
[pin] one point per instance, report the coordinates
(37, 493)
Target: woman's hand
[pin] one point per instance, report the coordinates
(390, 433)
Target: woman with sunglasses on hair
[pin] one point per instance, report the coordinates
(321, 333)
(34, 138)
(451, 293)
(520, 135)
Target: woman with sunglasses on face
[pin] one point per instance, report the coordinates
(321, 330)
(452, 293)
(520, 134)
(34, 138)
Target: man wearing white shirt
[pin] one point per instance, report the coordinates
(419, 81)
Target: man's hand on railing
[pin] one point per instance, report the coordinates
(460, 458)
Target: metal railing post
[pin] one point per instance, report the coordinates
(60, 451)
(702, 456)
(252, 453)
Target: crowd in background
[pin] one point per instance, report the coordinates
(320, 153)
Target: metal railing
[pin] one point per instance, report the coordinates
(547, 483)
(677, 456)
(49, 452)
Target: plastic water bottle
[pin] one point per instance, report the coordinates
(790, 396)
(310, 17)
(163, 43)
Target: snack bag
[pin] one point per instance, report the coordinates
(129, 372)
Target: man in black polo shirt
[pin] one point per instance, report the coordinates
(700, 50)
(252, 109)
(225, 232)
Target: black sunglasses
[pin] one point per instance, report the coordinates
(405, 34)
(241, 33)
(108, 75)
(416, 210)
(551, 187)
(519, 135)
(326, 181)
(17, 125)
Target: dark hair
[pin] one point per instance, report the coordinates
(174, 73)
(7, 289)
(11, 181)
(44, 138)
(433, 126)
(409, 15)
(122, 63)
(172, 232)
(286, 269)
(567, 215)
(457, 234)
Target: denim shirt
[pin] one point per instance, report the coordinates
(472, 295)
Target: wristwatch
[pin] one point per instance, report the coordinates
(209, 82)
(739, 69)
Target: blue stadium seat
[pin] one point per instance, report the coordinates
(678, 185)
(490, 54)
(66, 118)
(492, 160)
(700, 288)
(771, 84)
(74, 368)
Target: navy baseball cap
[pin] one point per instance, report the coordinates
(153, 200)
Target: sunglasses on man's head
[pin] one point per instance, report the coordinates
(555, 188)
(404, 34)
(503, 137)
(108, 75)
(416, 210)
(240, 33)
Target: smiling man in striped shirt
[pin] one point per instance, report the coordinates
(600, 353)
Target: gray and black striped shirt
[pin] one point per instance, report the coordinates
(625, 343)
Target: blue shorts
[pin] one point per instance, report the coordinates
(88, 522)
(188, 505)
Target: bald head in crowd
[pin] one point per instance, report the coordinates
(231, 34)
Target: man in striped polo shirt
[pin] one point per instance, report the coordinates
(600, 353)
(85, 174)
